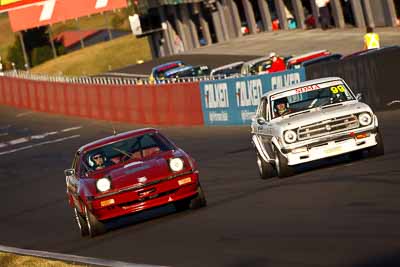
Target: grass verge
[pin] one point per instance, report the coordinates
(6, 36)
(11, 260)
(98, 58)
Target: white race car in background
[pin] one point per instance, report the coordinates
(310, 121)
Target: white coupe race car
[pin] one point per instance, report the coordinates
(310, 121)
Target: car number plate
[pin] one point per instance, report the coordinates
(333, 150)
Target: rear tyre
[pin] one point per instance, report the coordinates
(281, 165)
(379, 149)
(95, 227)
(81, 222)
(265, 169)
(199, 201)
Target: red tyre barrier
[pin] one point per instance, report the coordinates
(82, 101)
(24, 93)
(15, 94)
(8, 93)
(51, 97)
(32, 96)
(167, 104)
(42, 97)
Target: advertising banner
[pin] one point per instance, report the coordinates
(234, 101)
(53, 11)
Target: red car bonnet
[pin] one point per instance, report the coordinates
(149, 169)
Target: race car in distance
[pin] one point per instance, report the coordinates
(263, 65)
(256, 66)
(228, 70)
(310, 121)
(296, 62)
(188, 71)
(158, 72)
(128, 173)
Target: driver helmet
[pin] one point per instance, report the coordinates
(281, 106)
(94, 161)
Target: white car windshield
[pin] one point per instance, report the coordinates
(308, 97)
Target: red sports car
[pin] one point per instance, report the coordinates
(127, 173)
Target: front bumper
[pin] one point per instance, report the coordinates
(331, 148)
(148, 197)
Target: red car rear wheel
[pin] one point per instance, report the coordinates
(95, 227)
(199, 201)
(193, 203)
(80, 220)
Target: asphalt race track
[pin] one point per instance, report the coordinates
(339, 213)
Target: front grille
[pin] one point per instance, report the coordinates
(130, 203)
(328, 127)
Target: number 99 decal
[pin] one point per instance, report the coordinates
(338, 89)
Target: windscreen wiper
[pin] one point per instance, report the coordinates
(123, 152)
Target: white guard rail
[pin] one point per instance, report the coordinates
(123, 79)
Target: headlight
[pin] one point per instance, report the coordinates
(290, 136)
(103, 184)
(365, 119)
(176, 164)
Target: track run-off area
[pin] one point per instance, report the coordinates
(334, 213)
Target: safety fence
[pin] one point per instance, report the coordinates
(231, 101)
(184, 103)
(107, 78)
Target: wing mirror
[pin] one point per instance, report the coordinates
(69, 172)
(359, 96)
(261, 121)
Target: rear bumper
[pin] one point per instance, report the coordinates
(145, 198)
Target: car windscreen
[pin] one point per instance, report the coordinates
(260, 66)
(191, 72)
(130, 149)
(160, 73)
(308, 97)
(228, 71)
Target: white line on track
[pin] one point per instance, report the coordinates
(36, 137)
(24, 114)
(3, 134)
(39, 144)
(41, 136)
(71, 258)
(71, 129)
(18, 141)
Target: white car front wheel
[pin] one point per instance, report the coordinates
(266, 169)
(281, 165)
